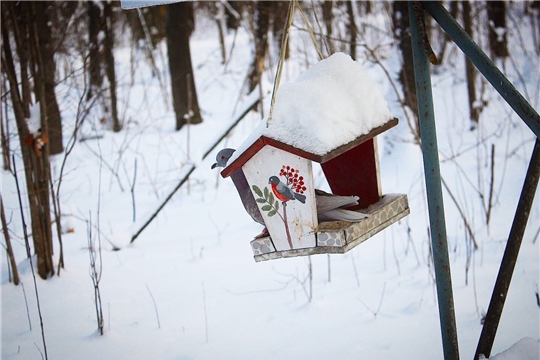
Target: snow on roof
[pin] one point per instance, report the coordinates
(329, 105)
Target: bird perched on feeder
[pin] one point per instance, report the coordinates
(283, 192)
(242, 186)
(329, 206)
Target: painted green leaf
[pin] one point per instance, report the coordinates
(257, 190)
(266, 208)
(276, 205)
(260, 200)
(272, 213)
(270, 198)
(266, 193)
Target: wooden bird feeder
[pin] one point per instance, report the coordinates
(350, 169)
(330, 115)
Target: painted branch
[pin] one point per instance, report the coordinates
(286, 224)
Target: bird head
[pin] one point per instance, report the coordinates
(222, 157)
(273, 180)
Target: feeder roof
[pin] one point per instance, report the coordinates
(330, 105)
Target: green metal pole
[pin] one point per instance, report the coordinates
(511, 252)
(483, 63)
(434, 192)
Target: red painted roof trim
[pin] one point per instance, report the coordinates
(263, 141)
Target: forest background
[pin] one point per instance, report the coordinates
(105, 111)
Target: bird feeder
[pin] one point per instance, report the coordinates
(279, 168)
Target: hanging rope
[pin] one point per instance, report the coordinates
(284, 41)
(310, 31)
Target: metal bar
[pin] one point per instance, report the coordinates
(434, 193)
(483, 63)
(508, 262)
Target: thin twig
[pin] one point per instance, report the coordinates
(156, 309)
(354, 268)
(329, 269)
(27, 308)
(133, 191)
(56, 211)
(402, 101)
(395, 256)
(461, 213)
(82, 111)
(491, 184)
(205, 314)
(39, 350)
(12, 264)
(310, 266)
(376, 312)
(94, 276)
(29, 256)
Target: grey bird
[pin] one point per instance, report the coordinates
(242, 186)
(329, 206)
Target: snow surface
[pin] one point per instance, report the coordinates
(524, 349)
(188, 287)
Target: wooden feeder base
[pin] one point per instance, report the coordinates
(338, 237)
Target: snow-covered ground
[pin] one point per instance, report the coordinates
(188, 287)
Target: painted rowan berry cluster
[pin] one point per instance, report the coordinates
(293, 178)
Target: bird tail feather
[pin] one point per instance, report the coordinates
(329, 202)
(300, 197)
(342, 215)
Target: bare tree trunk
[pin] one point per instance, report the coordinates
(262, 25)
(101, 41)
(109, 62)
(179, 28)
(279, 19)
(41, 148)
(33, 145)
(496, 11)
(328, 17)
(47, 48)
(232, 20)
(446, 38)
(21, 35)
(400, 19)
(469, 67)
(352, 30)
(534, 17)
(94, 68)
(367, 6)
(3, 131)
(218, 12)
